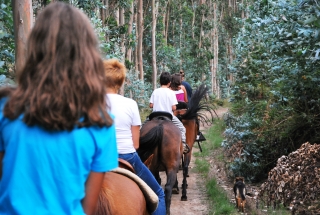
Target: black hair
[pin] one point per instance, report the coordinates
(165, 78)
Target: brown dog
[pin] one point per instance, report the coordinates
(239, 190)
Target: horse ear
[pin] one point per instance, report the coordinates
(149, 161)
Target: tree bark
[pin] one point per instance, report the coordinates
(122, 36)
(215, 80)
(140, 39)
(130, 23)
(22, 19)
(103, 12)
(154, 54)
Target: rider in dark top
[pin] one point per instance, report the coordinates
(186, 85)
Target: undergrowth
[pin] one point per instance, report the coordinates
(219, 201)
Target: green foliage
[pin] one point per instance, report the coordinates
(276, 93)
(7, 49)
(219, 201)
(137, 90)
(110, 49)
(89, 6)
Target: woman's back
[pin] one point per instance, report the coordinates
(47, 170)
(178, 88)
(56, 138)
(179, 94)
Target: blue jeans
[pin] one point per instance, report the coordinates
(144, 173)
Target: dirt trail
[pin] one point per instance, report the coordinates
(197, 203)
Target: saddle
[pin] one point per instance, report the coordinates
(125, 165)
(126, 169)
(150, 196)
(160, 115)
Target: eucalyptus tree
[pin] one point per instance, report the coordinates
(276, 91)
(22, 18)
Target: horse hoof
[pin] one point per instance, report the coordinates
(175, 191)
(184, 198)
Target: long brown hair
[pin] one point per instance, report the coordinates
(175, 82)
(62, 84)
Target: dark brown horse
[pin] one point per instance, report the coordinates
(162, 138)
(196, 113)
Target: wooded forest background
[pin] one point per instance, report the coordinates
(262, 55)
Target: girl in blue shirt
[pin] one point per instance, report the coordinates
(56, 138)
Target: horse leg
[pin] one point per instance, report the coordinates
(171, 180)
(185, 162)
(184, 185)
(175, 189)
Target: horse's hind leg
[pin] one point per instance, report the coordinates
(184, 184)
(171, 180)
(175, 189)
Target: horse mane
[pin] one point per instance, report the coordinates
(196, 105)
(150, 141)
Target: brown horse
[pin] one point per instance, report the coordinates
(162, 138)
(121, 195)
(191, 117)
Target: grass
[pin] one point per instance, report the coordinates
(219, 201)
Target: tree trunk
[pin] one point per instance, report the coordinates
(215, 80)
(140, 39)
(103, 12)
(22, 19)
(193, 18)
(167, 22)
(154, 54)
(122, 36)
(130, 23)
(180, 37)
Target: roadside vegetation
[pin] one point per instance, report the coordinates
(219, 201)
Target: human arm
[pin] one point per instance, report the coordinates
(104, 159)
(135, 130)
(92, 189)
(185, 93)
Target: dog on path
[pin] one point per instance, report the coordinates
(239, 190)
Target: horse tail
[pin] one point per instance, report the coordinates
(150, 141)
(195, 105)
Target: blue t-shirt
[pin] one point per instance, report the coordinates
(44, 172)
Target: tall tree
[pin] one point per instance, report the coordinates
(154, 57)
(140, 39)
(22, 18)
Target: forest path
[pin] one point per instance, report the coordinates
(198, 203)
